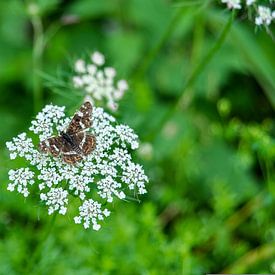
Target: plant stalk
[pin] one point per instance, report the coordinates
(38, 48)
(187, 94)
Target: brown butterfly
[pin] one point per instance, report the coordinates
(74, 143)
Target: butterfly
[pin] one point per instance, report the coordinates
(74, 143)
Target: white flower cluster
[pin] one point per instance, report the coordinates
(97, 82)
(20, 179)
(101, 176)
(263, 14)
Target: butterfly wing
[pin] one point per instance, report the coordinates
(53, 145)
(71, 159)
(81, 119)
(69, 155)
(81, 144)
(89, 144)
(86, 142)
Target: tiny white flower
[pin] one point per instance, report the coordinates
(112, 105)
(110, 72)
(264, 16)
(250, 2)
(78, 81)
(122, 85)
(80, 66)
(98, 58)
(233, 4)
(91, 69)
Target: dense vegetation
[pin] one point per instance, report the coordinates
(201, 98)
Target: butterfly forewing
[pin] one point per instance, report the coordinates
(81, 119)
(86, 142)
(52, 145)
(75, 142)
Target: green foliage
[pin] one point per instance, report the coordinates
(202, 93)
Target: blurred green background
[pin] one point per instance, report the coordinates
(201, 98)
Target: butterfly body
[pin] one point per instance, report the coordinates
(68, 140)
(74, 143)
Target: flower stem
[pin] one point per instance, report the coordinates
(187, 94)
(252, 257)
(38, 48)
(35, 257)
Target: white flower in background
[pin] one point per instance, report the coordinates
(106, 174)
(250, 2)
(264, 16)
(233, 4)
(98, 58)
(97, 83)
(146, 150)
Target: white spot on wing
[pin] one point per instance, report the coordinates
(83, 140)
(81, 125)
(69, 153)
(80, 114)
(55, 147)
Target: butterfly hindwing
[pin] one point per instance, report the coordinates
(69, 155)
(71, 159)
(86, 142)
(89, 144)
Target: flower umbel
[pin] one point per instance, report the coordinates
(261, 15)
(107, 173)
(98, 83)
(264, 16)
(233, 4)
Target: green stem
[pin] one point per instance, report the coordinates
(176, 19)
(251, 258)
(187, 94)
(35, 257)
(245, 212)
(38, 47)
(201, 66)
(147, 60)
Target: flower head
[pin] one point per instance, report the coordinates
(90, 211)
(98, 84)
(105, 175)
(250, 2)
(21, 179)
(233, 4)
(264, 16)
